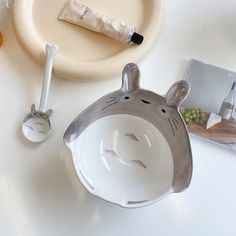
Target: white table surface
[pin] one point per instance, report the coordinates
(39, 194)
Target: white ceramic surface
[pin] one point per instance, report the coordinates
(85, 54)
(40, 195)
(130, 162)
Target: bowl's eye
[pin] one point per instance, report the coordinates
(145, 101)
(127, 98)
(164, 111)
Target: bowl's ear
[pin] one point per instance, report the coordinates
(130, 78)
(177, 93)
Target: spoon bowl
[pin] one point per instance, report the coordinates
(36, 126)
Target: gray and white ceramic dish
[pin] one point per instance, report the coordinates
(131, 147)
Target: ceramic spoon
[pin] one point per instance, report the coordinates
(36, 125)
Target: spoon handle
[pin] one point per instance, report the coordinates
(51, 51)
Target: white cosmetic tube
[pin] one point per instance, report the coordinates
(77, 13)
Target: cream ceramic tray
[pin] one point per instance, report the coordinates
(84, 54)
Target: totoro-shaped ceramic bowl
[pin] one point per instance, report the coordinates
(131, 147)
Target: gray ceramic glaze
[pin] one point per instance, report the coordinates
(162, 112)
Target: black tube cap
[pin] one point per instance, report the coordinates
(137, 38)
